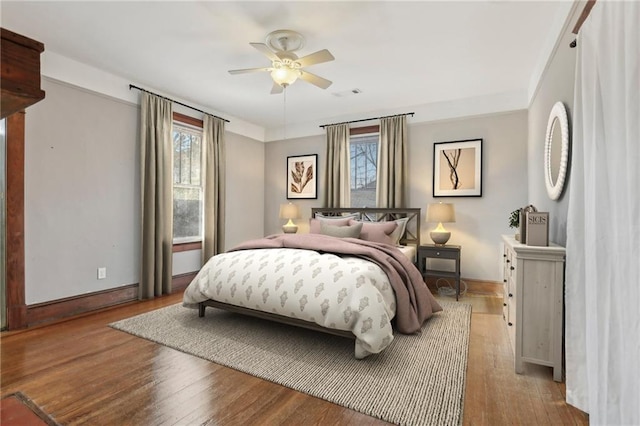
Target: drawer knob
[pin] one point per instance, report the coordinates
(510, 324)
(504, 281)
(504, 304)
(508, 261)
(510, 294)
(437, 253)
(512, 268)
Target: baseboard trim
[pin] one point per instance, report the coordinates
(179, 283)
(70, 306)
(480, 287)
(55, 310)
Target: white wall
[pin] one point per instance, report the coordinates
(556, 84)
(81, 193)
(275, 178)
(480, 221)
(245, 189)
(82, 208)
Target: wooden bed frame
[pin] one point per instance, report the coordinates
(411, 237)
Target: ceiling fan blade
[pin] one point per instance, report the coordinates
(322, 83)
(316, 58)
(276, 89)
(264, 49)
(246, 70)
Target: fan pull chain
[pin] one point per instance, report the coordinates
(284, 92)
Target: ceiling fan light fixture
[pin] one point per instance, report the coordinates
(286, 66)
(284, 75)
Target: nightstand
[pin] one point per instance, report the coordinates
(433, 251)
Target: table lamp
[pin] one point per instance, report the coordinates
(439, 213)
(289, 211)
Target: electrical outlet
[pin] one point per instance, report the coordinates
(102, 273)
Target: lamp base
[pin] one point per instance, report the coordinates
(440, 238)
(290, 229)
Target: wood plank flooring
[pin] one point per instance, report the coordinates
(81, 371)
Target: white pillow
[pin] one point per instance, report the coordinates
(398, 233)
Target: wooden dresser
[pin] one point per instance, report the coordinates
(533, 303)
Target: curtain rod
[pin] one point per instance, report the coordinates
(583, 17)
(368, 119)
(131, 86)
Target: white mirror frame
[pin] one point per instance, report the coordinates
(559, 113)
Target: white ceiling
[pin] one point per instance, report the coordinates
(401, 55)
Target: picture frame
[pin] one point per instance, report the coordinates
(457, 168)
(302, 177)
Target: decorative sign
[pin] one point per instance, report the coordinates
(537, 228)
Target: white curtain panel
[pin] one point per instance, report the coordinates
(602, 298)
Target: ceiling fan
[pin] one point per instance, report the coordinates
(286, 67)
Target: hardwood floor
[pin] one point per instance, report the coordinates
(81, 371)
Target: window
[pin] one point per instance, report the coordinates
(364, 162)
(187, 183)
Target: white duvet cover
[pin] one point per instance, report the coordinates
(344, 293)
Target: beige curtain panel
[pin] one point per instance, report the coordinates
(392, 163)
(214, 186)
(156, 170)
(337, 175)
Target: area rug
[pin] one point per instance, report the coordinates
(417, 380)
(17, 409)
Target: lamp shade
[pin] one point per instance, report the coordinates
(289, 211)
(441, 212)
(285, 75)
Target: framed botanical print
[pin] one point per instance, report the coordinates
(302, 176)
(457, 168)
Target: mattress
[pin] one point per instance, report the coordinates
(409, 251)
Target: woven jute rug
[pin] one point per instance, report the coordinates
(417, 380)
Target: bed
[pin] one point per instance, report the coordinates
(359, 288)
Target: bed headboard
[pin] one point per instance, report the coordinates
(371, 214)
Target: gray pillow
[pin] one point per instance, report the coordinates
(314, 224)
(349, 231)
(342, 216)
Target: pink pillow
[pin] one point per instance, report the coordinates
(377, 232)
(314, 224)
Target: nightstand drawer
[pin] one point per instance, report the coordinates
(442, 253)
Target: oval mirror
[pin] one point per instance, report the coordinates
(556, 151)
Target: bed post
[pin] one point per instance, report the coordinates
(201, 308)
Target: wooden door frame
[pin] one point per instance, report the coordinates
(15, 289)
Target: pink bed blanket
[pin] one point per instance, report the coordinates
(414, 302)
